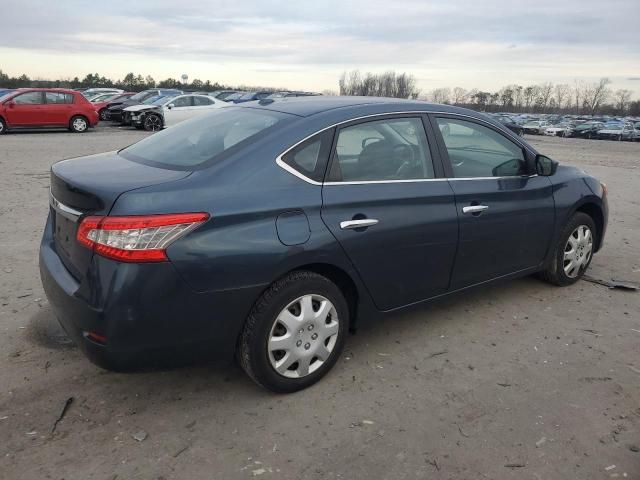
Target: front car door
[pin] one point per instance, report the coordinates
(506, 212)
(177, 110)
(395, 220)
(26, 110)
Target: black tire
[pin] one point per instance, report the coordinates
(152, 122)
(619, 138)
(104, 114)
(79, 124)
(554, 272)
(252, 352)
(588, 136)
(3, 126)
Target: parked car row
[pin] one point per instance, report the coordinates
(604, 129)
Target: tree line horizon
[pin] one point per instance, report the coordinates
(578, 98)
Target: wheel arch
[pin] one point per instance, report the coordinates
(595, 212)
(344, 282)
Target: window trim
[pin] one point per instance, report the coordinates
(431, 135)
(527, 153)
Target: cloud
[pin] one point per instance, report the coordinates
(429, 39)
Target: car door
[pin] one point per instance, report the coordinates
(393, 217)
(26, 110)
(177, 110)
(57, 108)
(506, 213)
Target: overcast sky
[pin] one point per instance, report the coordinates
(307, 44)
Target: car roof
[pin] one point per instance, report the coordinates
(311, 105)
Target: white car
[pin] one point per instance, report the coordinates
(93, 92)
(167, 111)
(535, 127)
(558, 130)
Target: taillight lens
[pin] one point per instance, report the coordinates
(136, 238)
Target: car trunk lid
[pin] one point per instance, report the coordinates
(90, 186)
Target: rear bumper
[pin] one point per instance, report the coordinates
(147, 312)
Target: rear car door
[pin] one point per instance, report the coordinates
(506, 212)
(384, 204)
(57, 108)
(26, 110)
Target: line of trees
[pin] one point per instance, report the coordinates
(387, 84)
(131, 82)
(578, 98)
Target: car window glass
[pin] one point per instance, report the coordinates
(478, 151)
(382, 150)
(189, 145)
(29, 98)
(201, 101)
(182, 102)
(58, 97)
(310, 157)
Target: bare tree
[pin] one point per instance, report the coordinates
(596, 94)
(506, 96)
(529, 95)
(577, 94)
(544, 92)
(440, 95)
(561, 94)
(460, 96)
(622, 98)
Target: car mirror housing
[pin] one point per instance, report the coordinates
(545, 166)
(170, 106)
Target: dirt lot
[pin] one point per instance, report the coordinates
(521, 380)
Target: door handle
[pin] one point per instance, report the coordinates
(474, 208)
(362, 223)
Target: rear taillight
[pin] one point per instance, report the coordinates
(137, 238)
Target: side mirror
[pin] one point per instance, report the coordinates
(171, 105)
(9, 104)
(545, 167)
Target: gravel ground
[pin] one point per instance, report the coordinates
(521, 380)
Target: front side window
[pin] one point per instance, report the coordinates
(181, 102)
(382, 150)
(29, 98)
(57, 97)
(203, 140)
(478, 151)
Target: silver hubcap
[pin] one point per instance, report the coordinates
(577, 251)
(153, 122)
(79, 125)
(303, 336)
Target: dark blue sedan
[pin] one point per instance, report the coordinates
(271, 229)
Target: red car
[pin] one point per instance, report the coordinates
(46, 107)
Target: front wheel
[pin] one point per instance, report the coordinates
(78, 124)
(3, 126)
(104, 114)
(152, 122)
(574, 252)
(294, 333)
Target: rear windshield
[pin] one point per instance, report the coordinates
(203, 140)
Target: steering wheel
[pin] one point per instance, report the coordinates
(406, 155)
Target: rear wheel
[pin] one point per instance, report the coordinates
(3, 126)
(78, 124)
(152, 122)
(574, 252)
(294, 333)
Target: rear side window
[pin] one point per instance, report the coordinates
(200, 101)
(203, 140)
(29, 98)
(382, 150)
(182, 102)
(477, 151)
(57, 97)
(310, 157)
